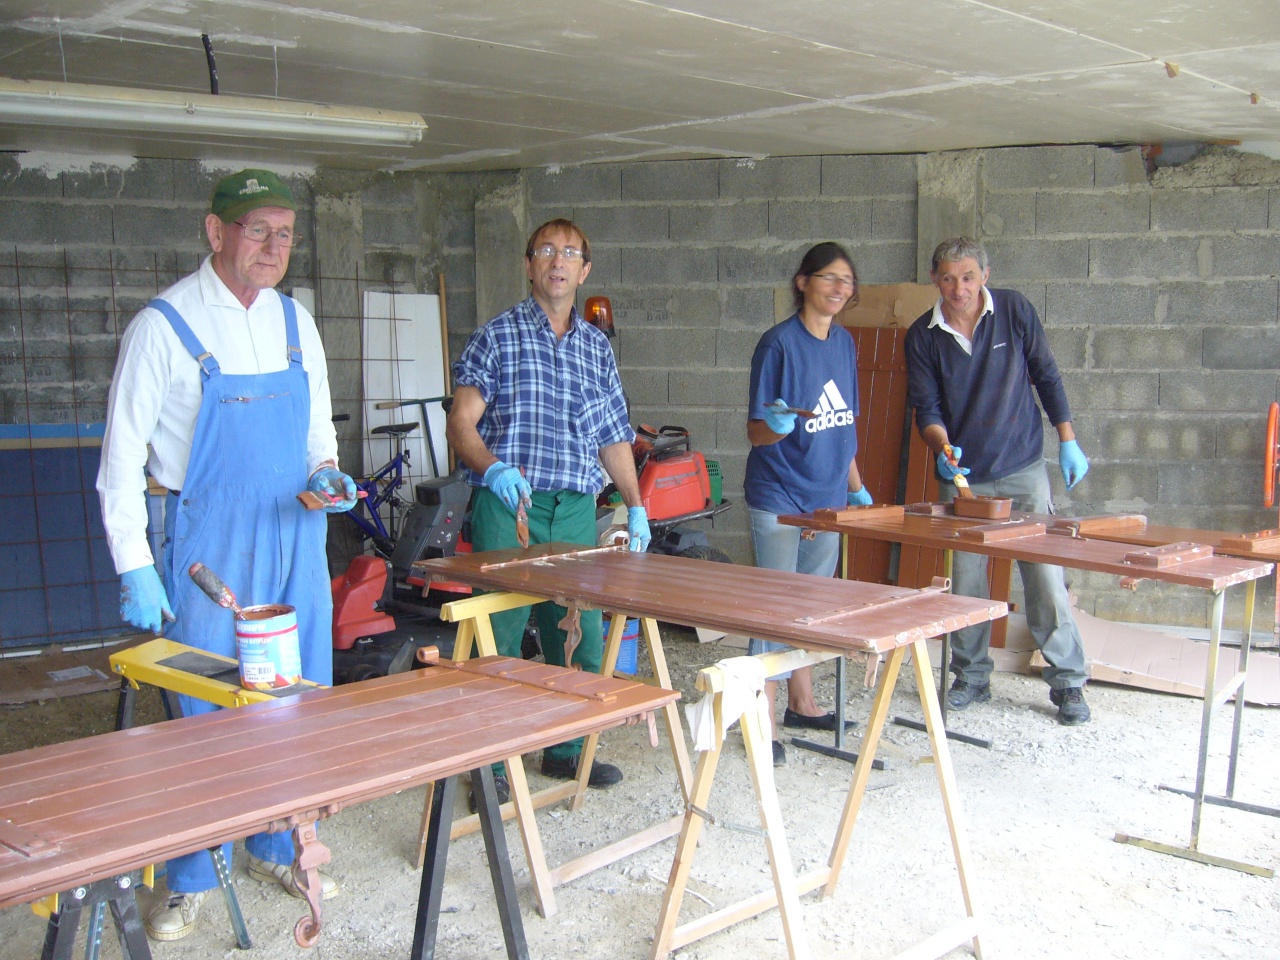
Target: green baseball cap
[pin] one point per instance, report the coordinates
(236, 195)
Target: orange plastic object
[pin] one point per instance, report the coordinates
(598, 312)
(355, 595)
(675, 485)
(1269, 457)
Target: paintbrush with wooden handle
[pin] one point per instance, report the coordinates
(962, 484)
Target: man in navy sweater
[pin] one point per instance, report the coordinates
(975, 364)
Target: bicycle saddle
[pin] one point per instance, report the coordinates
(396, 429)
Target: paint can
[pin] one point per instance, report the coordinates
(267, 647)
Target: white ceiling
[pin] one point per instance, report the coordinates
(517, 83)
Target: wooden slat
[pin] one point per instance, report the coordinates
(1253, 543)
(1169, 556)
(995, 532)
(882, 402)
(918, 565)
(1096, 527)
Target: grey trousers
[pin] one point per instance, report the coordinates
(1048, 610)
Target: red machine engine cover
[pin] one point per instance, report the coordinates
(675, 485)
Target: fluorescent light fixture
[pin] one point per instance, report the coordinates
(120, 110)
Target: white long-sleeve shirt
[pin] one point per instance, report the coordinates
(156, 394)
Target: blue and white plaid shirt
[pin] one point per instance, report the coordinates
(551, 403)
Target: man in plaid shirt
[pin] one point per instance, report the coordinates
(537, 408)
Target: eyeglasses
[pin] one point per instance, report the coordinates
(548, 251)
(835, 280)
(259, 231)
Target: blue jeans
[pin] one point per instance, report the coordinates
(1048, 609)
(779, 547)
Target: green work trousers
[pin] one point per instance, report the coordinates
(563, 517)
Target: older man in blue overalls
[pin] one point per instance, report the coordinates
(223, 378)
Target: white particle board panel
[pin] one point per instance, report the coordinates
(404, 361)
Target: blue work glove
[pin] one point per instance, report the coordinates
(945, 470)
(142, 599)
(638, 529)
(1073, 462)
(777, 419)
(332, 482)
(860, 498)
(509, 485)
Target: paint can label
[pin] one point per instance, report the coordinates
(267, 647)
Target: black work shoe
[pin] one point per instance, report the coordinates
(1072, 710)
(826, 721)
(962, 694)
(779, 754)
(602, 774)
(500, 786)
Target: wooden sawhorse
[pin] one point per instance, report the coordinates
(788, 888)
(475, 629)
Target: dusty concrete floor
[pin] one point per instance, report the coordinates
(1042, 808)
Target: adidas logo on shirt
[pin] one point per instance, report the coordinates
(831, 410)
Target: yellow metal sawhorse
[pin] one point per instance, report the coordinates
(787, 887)
(175, 668)
(475, 630)
(178, 668)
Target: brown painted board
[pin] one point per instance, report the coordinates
(1136, 529)
(1101, 527)
(768, 604)
(1101, 556)
(994, 532)
(918, 565)
(1226, 544)
(1251, 544)
(871, 510)
(1167, 555)
(882, 405)
(122, 800)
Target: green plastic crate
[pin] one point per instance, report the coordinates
(717, 482)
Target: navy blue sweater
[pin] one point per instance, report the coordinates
(985, 401)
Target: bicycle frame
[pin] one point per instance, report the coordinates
(381, 489)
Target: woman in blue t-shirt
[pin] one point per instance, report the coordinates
(801, 462)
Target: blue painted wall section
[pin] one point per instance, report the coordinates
(57, 584)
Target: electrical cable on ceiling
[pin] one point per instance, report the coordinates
(213, 67)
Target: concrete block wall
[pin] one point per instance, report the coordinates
(81, 251)
(1160, 294)
(692, 254)
(1159, 291)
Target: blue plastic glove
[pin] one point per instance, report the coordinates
(1073, 462)
(777, 419)
(332, 482)
(638, 529)
(945, 470)
(860, 498)
(509, 485)
(142, 599)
